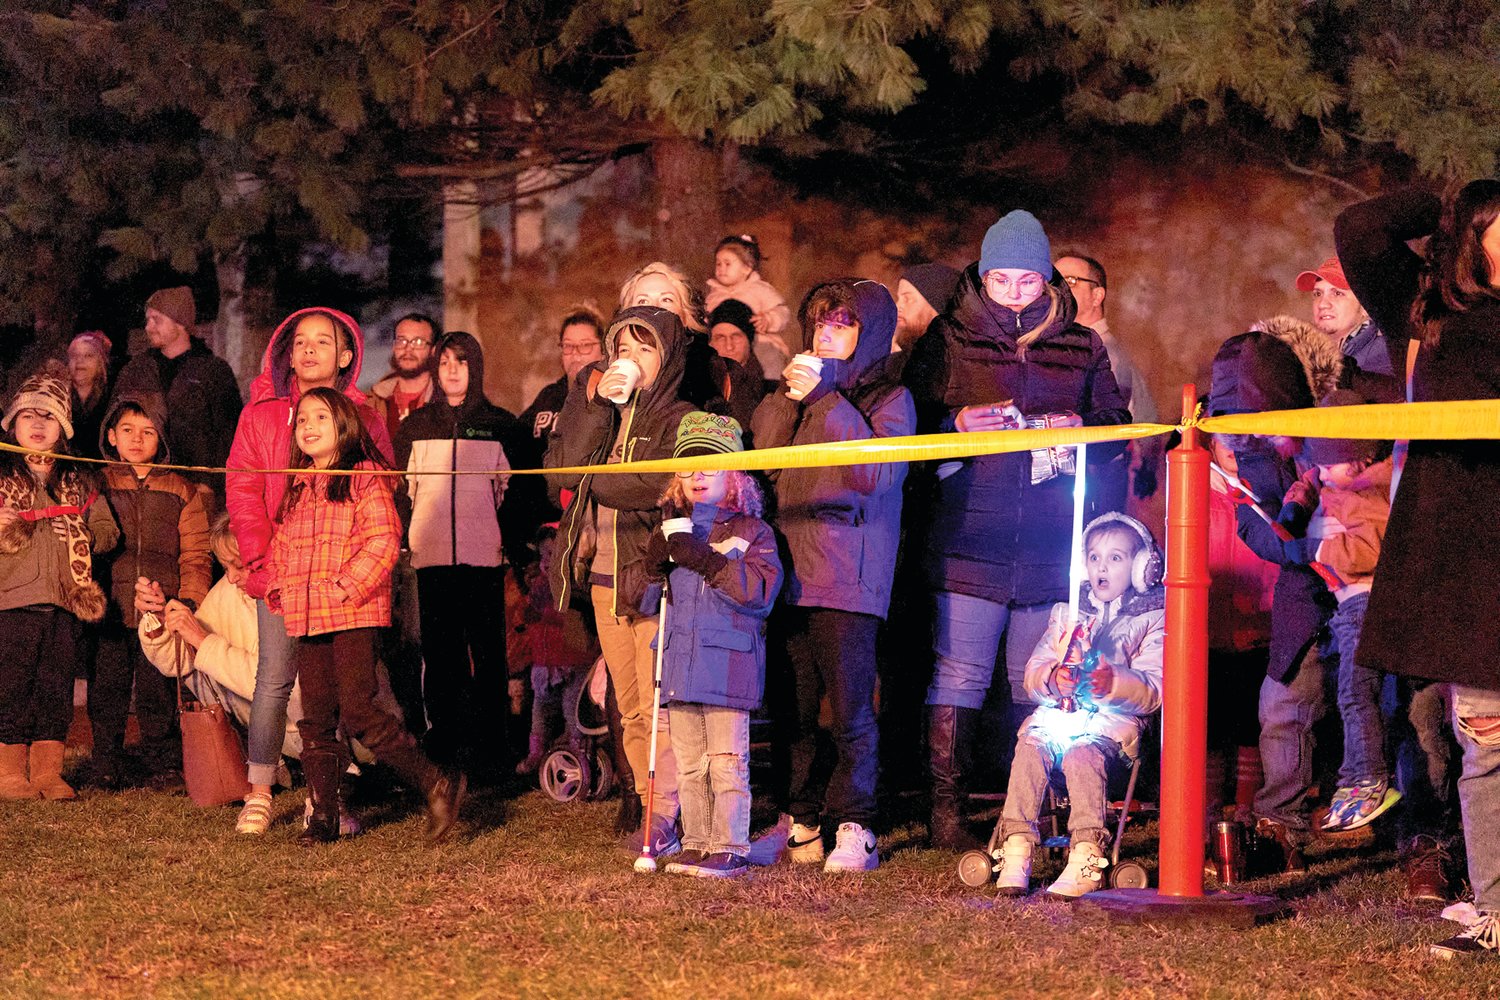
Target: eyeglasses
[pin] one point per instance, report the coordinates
(1074, 279)
(417, 342)
(698, 472)
(581, 348)
(1029, 284)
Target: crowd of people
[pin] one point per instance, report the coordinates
(359, 617)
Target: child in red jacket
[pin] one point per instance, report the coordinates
(336, 542)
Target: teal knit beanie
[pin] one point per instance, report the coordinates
(1016, 241)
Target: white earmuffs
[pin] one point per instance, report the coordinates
(1146, 569)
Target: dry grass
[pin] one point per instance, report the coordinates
(145, 895)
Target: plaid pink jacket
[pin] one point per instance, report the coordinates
(322, 543)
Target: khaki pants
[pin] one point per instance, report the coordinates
(632, 669)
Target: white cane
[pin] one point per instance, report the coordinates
(646, 863)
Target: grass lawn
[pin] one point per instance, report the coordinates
(140, 894)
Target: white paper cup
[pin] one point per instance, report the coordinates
(632, 373)
(812, 363)
(672, 525)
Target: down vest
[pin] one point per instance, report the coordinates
(994, 534)
(843, 524)
(263, 440)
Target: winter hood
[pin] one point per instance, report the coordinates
(154, 407)
(1281, 363)
(275, 378)
(467, 345)
(673, 341)
(877, 325)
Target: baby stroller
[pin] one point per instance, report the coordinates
(580, 765)
(978, 868)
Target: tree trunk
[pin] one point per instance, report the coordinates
(461, 236)
(689, 213)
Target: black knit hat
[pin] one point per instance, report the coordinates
(736, 314)
(935, 282)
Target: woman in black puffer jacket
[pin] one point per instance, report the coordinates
(998, 550)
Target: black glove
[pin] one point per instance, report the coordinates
(1145, 481)
(694, 553)
(657, 556)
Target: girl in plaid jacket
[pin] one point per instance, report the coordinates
(336, 541)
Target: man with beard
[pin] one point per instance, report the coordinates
(409, 384)
(407, 388)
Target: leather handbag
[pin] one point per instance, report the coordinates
(213, 759)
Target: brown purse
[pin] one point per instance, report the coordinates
(213, 759)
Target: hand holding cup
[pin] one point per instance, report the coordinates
(802, 375)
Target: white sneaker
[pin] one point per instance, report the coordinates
(804, 845)
(1084, 874)
(853, 850)
(1014, 875)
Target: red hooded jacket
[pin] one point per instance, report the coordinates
(263, 440)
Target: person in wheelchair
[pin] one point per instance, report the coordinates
(1097, 680)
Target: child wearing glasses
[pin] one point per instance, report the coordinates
(719, 563)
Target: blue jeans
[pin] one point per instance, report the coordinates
(1085, 768)
(1425, 750)
(1479, 789)
(275, 673)
(1288, 712)
(712, 747)
(1359, 699)
(966, 638)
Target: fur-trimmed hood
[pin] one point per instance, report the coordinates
(1320, 356)
(1280, 364)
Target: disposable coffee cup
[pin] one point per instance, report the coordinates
(812, 363)
(672, 525)
(632, 373)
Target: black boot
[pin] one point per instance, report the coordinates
(950, 732)
(322, 769)
(445, 797)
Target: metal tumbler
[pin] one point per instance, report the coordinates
(1229, 851)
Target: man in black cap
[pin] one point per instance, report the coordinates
(922, 292)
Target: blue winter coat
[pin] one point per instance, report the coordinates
(843, 524)
(715, 629)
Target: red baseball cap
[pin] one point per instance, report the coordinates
(1330, 271)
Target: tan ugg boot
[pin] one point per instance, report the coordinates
(13, 783)
(46, 770)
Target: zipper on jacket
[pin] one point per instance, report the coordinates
(453, 497)
(140, 487)
(614, 597)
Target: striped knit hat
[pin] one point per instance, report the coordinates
(702, 433)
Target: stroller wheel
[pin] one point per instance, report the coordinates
(975, 869)
(603, 777)
(1129, 875)
(564, 775)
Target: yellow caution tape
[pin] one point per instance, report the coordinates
(1458, 420)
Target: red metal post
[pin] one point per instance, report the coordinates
(1185, 681)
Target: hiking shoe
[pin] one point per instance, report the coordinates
(1013, 876)
(853, 850)
(1426, 869)
(1359, 804)
(1479, 939)
(1083, 874)
(804, 844)
(686, 861)
(721, 865)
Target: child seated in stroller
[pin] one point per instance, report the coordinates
(1096, 682)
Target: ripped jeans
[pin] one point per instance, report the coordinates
(1479, 788)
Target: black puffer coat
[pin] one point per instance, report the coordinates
(993, 534)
